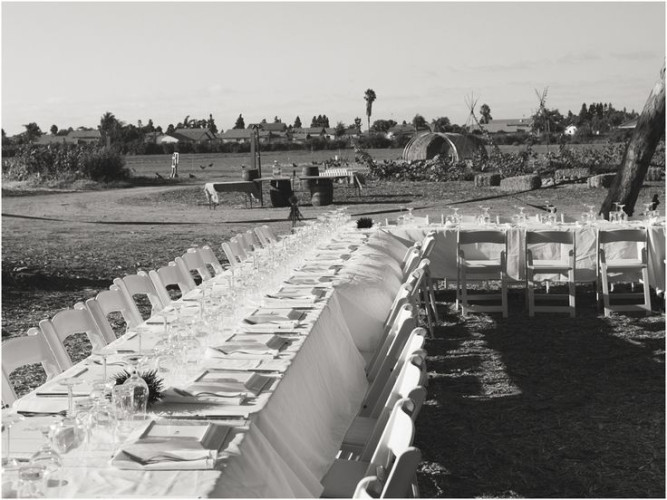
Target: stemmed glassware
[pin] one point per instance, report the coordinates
(47, 456)
(9, 419)
(70, 382)
(138, 387)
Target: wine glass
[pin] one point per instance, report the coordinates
(70, 382)
(138, 387)
(47, 455)
(9, 419)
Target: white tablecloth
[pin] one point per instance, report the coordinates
(291, 440)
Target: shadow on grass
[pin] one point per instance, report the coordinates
(544, 407)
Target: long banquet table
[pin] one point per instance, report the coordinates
(443, 258)
(284, 440)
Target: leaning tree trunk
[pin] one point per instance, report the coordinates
(650, 128)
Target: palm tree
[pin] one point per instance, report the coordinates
(108, 126)
(370, 97)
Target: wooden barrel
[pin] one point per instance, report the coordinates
(280, 192)
(322, 192)
(250, 174)
(310, 170)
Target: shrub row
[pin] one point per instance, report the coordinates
(65, 161)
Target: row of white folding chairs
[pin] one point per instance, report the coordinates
(564, 243)
(241, 246)
(378, 442)
(46, 344)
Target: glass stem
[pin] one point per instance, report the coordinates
(70, 401)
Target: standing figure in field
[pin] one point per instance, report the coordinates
(174, 166)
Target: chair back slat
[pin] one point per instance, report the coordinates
(68, 322)
(21, 351)
(539, 237)
(140, 284)
(622, 235)
(396, 437)
(210, 259)
(171, 275)
(470, 237)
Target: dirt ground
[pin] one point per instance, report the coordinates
(521, 407)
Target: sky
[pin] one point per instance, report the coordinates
(67, 63)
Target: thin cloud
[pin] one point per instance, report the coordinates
(637, 55)
(578, 58)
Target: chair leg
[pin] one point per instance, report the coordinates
(431, 297)
(503, 285)
(530, 295)
(464, 293)
(573, 290)
(647, 291)
(605, 290)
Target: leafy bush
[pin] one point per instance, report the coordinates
(65, 161)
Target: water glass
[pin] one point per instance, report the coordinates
(32, 481)
(122, 405)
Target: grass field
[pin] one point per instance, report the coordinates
(518, 407)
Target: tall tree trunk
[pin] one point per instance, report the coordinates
(650, 128)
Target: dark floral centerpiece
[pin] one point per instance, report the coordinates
(154, 383)
(364, 223)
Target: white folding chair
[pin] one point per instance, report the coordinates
(475, 264)
(412, 259)
(549, 244)
(26, 350)
(268, 234)
(232, 257)
(427, 299)
(623, 256)
(171, 275)
(210, 260)
(401, 482)
(261, 237)
(111, 301)
(241, 241)
(380, 387)
(238, 248)
(251, 240)
(394, 445)
(140, 284)
(192, 261)
(364, 432)
(66, 323)
(404, 323)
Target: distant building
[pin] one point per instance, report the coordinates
(509, 126)
(85, 136)
(45, 140)
(404, 130)
(570, 130)
(303, 134)
(193, 135)
(243, 135)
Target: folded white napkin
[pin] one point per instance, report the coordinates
(34, 404)
(222, 362)
(181, 396)
(166, 454)
(159, 320)
(288, 303)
